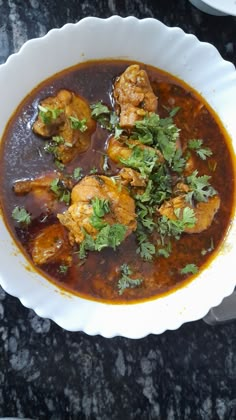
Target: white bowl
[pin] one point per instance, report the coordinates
(199, 65)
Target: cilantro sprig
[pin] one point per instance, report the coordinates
(61, 192)
(160, 133)
(77, 124)
(126, 281)
(100, 207)
(106, 118)
(21, 215)
(189, 269)
(142, 159)
(200, 188)
(108, 236)
(202, 152)
(175, 227)
(48, 115)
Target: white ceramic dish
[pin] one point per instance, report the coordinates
(199, 65)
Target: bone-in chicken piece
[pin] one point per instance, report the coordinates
(61, 121)
(44, 181)
(119, 149)
(134, 96)
(204, 211)
(77, 218)
(40, 189)
(51, 245)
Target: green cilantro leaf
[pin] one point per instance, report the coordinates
(174, 228)
(146, 251)
(93, 170)
(189, 269)
(100, 206)
(200, 188)
(110, 236)
(196, 145)
(99, 109)
(126, 281)
(143, 160)
(21, 215)
(61, 192)
(77, 174)
(160, 133)
(62, 269)
(47, 115)
(106, 118)
(77, 124)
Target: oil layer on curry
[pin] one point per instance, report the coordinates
(114, 181)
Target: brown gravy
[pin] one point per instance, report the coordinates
(22, 157)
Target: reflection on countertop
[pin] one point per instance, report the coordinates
(49, 373)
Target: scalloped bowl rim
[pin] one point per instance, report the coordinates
(153, 43)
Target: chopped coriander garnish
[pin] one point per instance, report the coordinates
(93, 170)
(174, 228)
(88, 244)
(200, 188)
(99, 109)
(21, 215)
(202, 152)
(142, 159)
(77, 124)
(63, 269)
(47, 115)
(100, 208)
(52, 145)
(189, 269)
(165, 251)
(62, 193)
(159, 133)
(77, 174)
(126, 281)
(146, 250)
(106, 118)
(108, 236)
(59, 165)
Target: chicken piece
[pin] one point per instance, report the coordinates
(51, 245)
(63, 108)
(77, 217)
(118, 149)
(41, 190)
(180, 188)
(42, 182)
(56, 114)
(132, 177)
(134, 96)
(204, 211)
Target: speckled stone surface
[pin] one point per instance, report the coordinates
(49, 373)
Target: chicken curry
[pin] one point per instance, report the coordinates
(117, 181)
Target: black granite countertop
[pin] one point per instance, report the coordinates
(49, 373)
